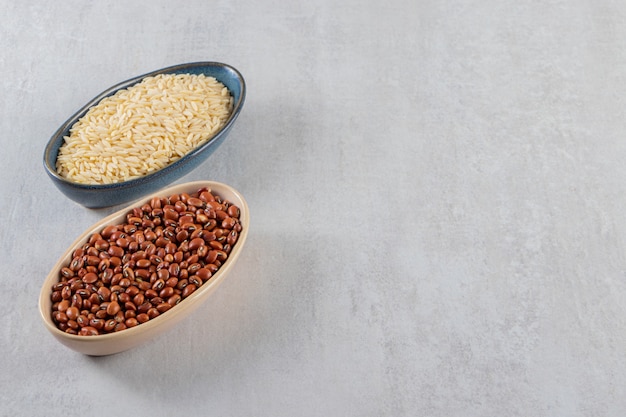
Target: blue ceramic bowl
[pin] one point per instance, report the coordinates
(99, 195)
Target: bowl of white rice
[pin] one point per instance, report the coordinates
(144, 133)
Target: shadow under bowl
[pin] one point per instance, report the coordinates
(111, 343)
(106, 195)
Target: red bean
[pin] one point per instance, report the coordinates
(153, 312)
(142, 318)
(196, 243)
(97, 323)
(82, 320)
(174, 299)
(233, 211)
(108, 231)
(77, 300)
(166, 292)
(220, 215)
(229, 223)
(231, 239)
(123, 297)
(196, 280)
(163, 307)
(204, 274)
(206, 196)
(104, 293)
(188, 290)
(72, 313)
(63, 305)
(88, 331)
(67, 272)
(113, 308)
(143, 263)
(211, 257)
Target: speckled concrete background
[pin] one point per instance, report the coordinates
(437, 197)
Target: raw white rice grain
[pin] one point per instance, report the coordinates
(144, 128)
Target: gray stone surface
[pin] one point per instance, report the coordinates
(437, 198)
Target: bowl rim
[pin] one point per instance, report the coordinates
(178, 68)
(180, 310)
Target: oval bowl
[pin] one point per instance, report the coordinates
(111, 343)
(105, 195)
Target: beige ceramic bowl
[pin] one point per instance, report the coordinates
(111, 343)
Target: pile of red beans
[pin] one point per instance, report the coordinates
(130, 273)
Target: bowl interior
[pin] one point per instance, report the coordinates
(111, 343)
